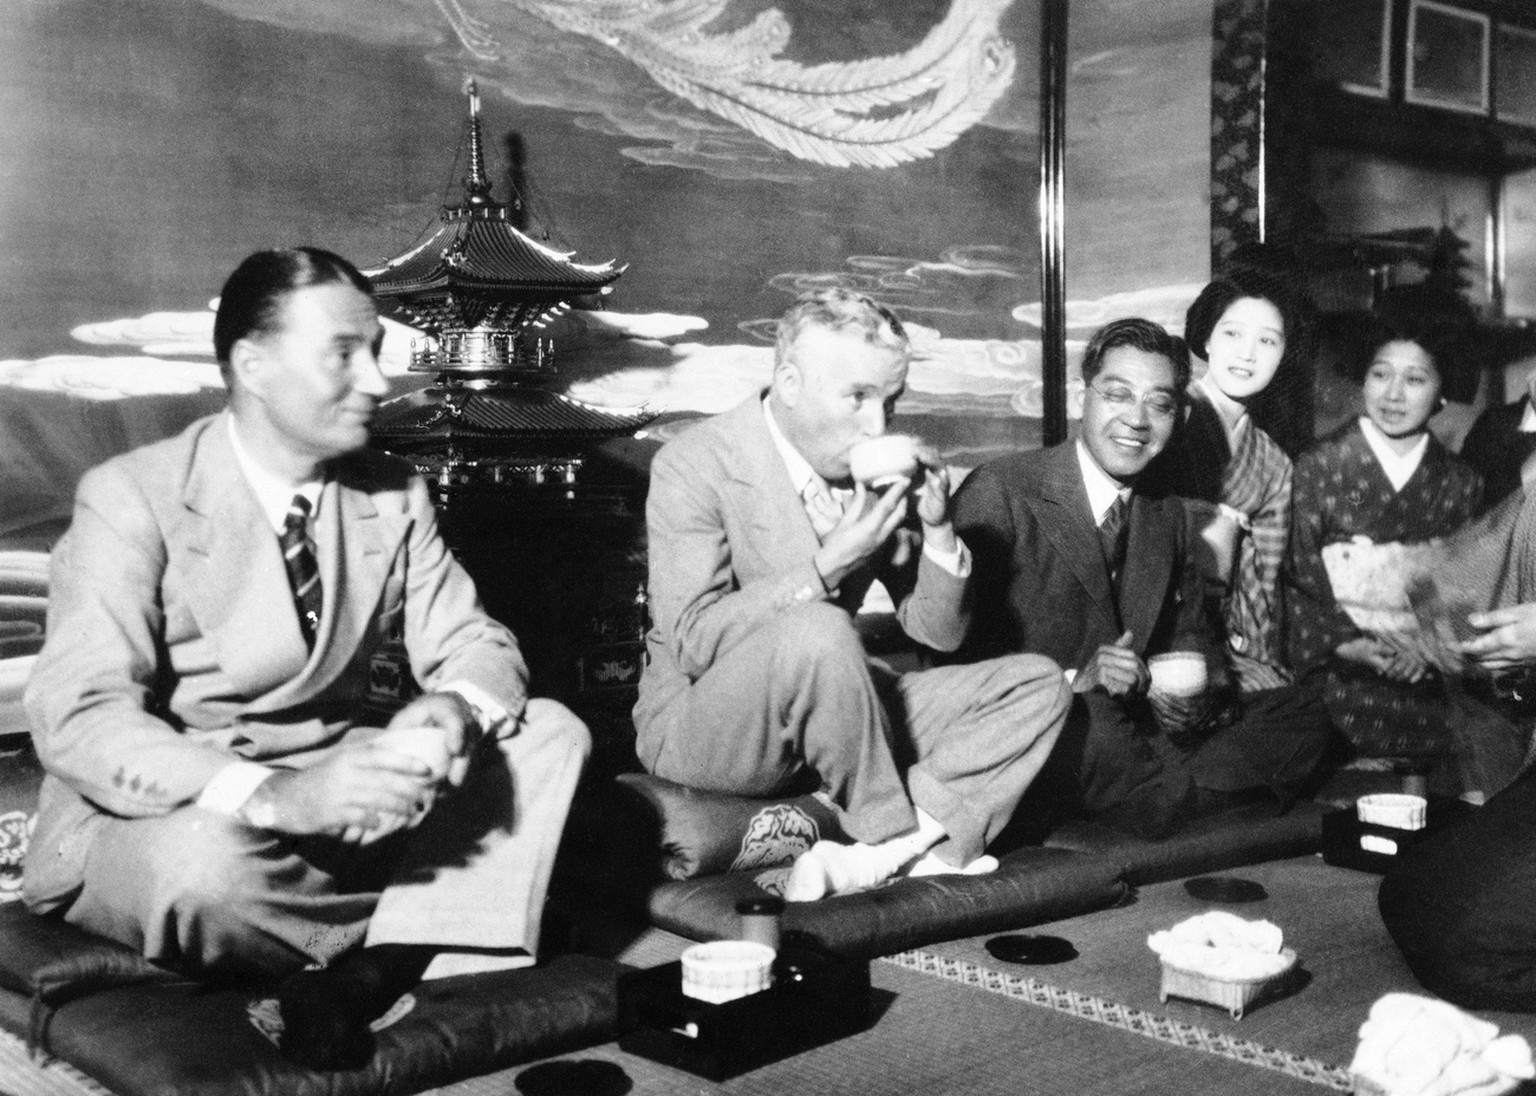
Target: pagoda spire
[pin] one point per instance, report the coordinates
(477, 186)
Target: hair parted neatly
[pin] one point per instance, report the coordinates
(252, 297)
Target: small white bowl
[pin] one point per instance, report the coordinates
(1402, 812)
(724, 970)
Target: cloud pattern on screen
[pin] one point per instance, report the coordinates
(621, 360)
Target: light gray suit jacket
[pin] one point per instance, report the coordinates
(730, 545)
(174, 647)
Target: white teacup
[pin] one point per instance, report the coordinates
(724, 970)
(429, 745)
(1179, 673)
(881, 461)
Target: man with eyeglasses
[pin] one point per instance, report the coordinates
(1073, 562)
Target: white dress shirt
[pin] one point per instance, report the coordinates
(1102, 489)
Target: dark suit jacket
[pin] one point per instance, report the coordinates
(730, 545)
(174, 648)
(1496, 448)
(1039, 578)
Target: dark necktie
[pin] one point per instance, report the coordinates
(1112, 535)
(303, 572)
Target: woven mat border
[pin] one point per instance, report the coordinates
(1124, 1018)
(22, 1074)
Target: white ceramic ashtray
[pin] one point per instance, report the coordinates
(724, 970)
(883, 460)
(1402, 812)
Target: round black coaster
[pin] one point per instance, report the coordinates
(1225, 888)
(1031, 950)
(586, 1077)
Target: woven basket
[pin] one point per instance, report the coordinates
(1232, 994)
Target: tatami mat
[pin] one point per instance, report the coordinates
(962, 1021)
(934, 1037)
(954, 1019)
(23, 1075)
(1328, 914)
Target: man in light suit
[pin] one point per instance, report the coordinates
(1073, 562)
(210, 797)
(761, 547)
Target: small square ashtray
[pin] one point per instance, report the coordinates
(1232, 994)
(1401, 812)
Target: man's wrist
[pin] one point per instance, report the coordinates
(483, 713)
(467, 711)
(825, 573)
(941, 537)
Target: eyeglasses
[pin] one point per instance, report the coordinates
(1159, 405)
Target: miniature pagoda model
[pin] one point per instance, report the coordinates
(481, 290)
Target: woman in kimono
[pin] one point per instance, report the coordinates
(1235, 477)
(1386, 478)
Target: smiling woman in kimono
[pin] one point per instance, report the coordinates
(1234, 477)
(1384, 477)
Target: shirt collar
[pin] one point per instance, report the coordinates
(272, 494)
(1102, 490)
(1399, 467)
(801, 474)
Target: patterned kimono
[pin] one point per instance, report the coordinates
(1251, 476)
(1342, 492)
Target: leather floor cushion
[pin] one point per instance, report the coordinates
(140, 1031)
(1247, 834)
(1031, 886)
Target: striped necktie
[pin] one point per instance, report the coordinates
(303, 572)
(1112, 535)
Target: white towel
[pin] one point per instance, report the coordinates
(1418, 1046)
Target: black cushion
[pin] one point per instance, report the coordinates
(1247, 834)
(191, 1040)
(1458, 903)
(1031, 886)
(138, 1028)
(44, 956)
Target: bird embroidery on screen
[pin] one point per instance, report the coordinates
(876, 112)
